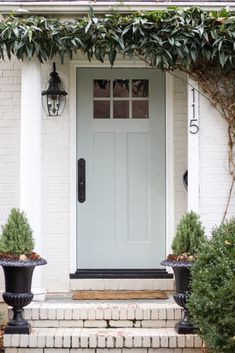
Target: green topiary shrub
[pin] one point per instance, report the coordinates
(189, 235)
(16, 238)
(212, 302)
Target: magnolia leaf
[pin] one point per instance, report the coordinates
(222, 58)
(18, 45)
(193, 55)
(30, 35)
(29, 51)
(200, 31)
(125, 30)
(88, 26)
(220, 44)
(112, 56)
(16, 31)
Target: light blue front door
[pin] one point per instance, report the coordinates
(121, 137)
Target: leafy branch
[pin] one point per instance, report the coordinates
(168, 39)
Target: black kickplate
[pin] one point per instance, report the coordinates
(121, 273)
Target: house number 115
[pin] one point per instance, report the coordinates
(193, 127)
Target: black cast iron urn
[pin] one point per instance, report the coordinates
(183, 288)
(18, 279)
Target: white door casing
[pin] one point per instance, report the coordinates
(122, 222)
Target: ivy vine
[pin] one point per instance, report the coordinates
(200, 43)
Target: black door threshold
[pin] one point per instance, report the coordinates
(121, 273)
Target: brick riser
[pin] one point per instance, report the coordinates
(123, 284)
(102, 338)
(103, 350)
(104, 323)
(103, 315)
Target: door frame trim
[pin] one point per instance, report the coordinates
(73, 66)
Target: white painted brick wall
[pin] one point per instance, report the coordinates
(10, 85)
(213, 172)
(214, 176)
(55, 192)
(55, 172)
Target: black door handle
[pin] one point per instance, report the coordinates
(81, 180)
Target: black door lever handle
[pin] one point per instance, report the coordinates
(81, 180)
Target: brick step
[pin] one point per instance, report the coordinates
(155, 314)
(72, 340)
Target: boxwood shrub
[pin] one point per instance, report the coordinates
(212, 302)
(16, 238)
(189, 235)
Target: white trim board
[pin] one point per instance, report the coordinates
(81, 7)
(74, 64)
(170, 204)
(193, 145)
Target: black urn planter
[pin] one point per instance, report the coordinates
(18, 279)
(182, 282)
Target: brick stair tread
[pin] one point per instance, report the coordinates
(99, 305)
(88, 314)
(69, 303)
(102, 338)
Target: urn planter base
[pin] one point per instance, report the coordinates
(18, 277)
(17, 324)
(23, 329)
(183, 289)
(184, 326)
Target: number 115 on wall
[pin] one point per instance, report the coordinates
(193, 122)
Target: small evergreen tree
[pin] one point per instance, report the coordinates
(16, 238)
(189, 235)
(212, 302)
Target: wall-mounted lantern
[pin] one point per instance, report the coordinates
(54, 97)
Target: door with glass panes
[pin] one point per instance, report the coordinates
(121, 168)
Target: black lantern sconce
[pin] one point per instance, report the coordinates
(54, 97)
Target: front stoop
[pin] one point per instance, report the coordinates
(65, 326)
